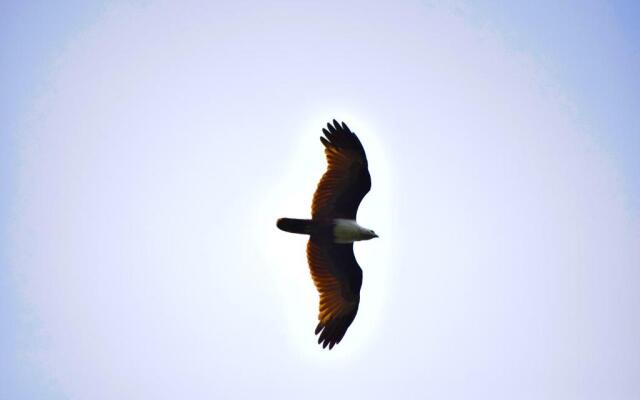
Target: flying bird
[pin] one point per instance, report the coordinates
(332, 230)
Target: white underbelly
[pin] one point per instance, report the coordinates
(346, 231)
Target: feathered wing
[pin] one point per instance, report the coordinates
(347, 179)
(338, 278)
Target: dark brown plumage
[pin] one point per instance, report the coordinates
(347, 179)
(334, 269)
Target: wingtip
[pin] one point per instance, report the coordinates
(331, 128)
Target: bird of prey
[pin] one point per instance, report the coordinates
(333, 229)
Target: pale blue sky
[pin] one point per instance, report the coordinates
(149, 146)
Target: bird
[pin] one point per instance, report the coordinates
(332, 231)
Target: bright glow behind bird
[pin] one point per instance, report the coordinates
(287, 255)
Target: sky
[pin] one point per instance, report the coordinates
(148, 148)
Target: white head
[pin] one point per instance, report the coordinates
(348, 231)
(368, 234)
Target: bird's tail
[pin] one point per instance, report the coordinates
(294, 225)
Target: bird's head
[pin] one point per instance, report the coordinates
(369, 234)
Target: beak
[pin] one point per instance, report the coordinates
(375, 235)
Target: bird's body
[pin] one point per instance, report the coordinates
(333, 230)
(338, 230)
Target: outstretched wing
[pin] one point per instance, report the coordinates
(347, 179)
(338, 278)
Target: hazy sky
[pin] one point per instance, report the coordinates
(148, 147)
